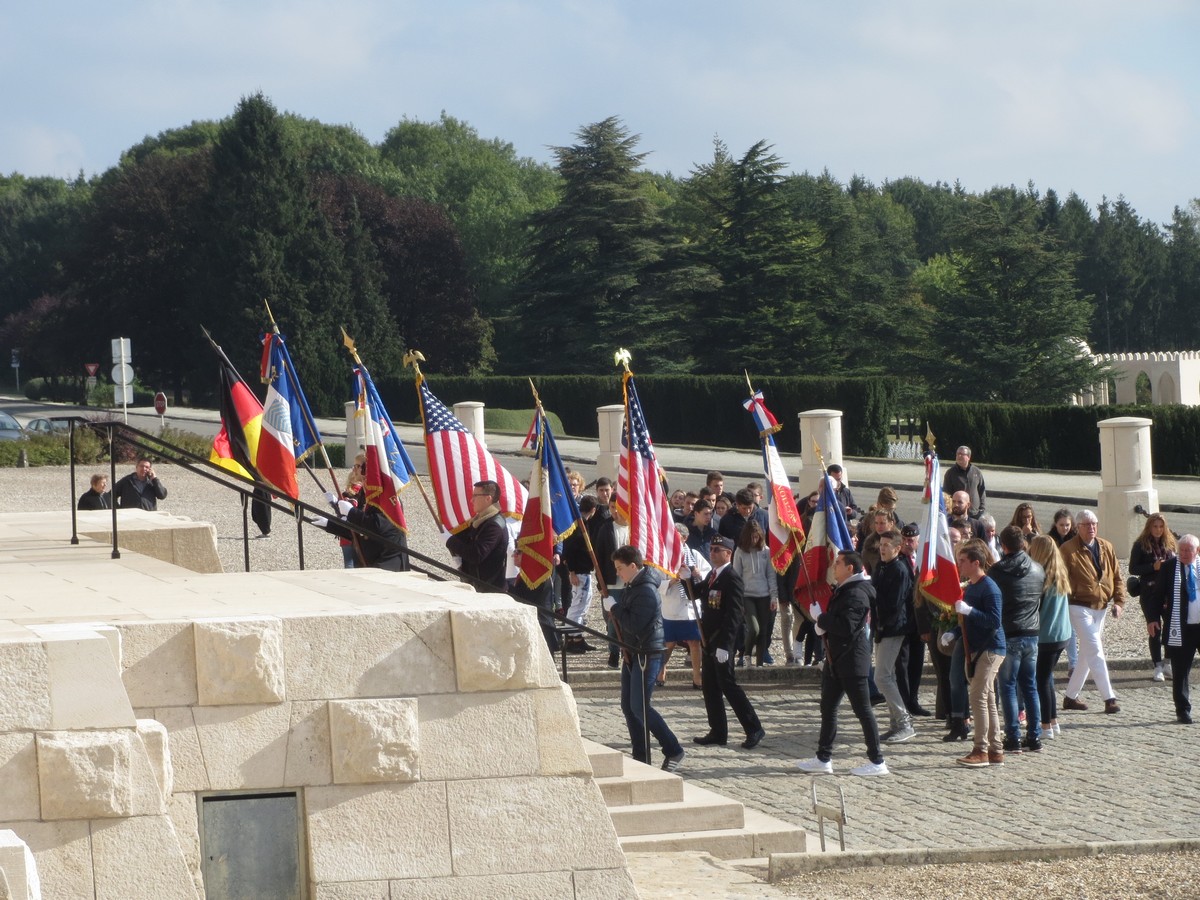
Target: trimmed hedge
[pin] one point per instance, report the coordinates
(1060, 437)
(680, 409)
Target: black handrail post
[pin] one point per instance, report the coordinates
(71, 453)
(245, 532)
(643, 662)
(112, 480)
(300, 534)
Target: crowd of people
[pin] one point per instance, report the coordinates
(1029, 596)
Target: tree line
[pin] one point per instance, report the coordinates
(439, 240)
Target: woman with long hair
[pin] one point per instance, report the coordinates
(1055, 629)
(1064, 527)
(1024, 518)
(1153, 547)
(753, 562)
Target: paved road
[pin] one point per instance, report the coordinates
(1123, 777)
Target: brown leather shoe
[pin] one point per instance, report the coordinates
(1069, 703)
(1110, 706)
(976, 759)
(995, 758)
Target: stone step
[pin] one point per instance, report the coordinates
(756, 840)
(700, 810)
(606, 762)
(640, 783)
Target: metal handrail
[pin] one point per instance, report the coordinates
(142, 440)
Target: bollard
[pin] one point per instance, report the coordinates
(1126, 478)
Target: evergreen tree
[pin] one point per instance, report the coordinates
(1009, 318)
(591, 282)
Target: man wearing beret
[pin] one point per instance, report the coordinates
(721, 616)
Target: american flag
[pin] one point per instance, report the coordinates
(457, 460)
(642, 491)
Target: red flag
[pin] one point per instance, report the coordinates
(786, 530)
(642, 491)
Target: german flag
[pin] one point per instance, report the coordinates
(235, 447)
(239, 445)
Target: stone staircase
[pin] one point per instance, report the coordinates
(653, 810)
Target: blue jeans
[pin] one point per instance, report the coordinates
(631, 706)
(959, 706)
(1020, 671)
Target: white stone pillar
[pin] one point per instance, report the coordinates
(18, 869)
(825, 427)
(611, 420)
(356, 432)
(470, 413)
(1127, 480)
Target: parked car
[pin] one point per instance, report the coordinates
(10, 428)
(46, 426)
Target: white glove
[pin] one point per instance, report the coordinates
(722, 655)
(320, 521)
(814, 610)
(331, 496)
(962, 607)
(456, 561)
(685, 572)
(344, 507)
(818, 629)
(946, 639)
(608, 603)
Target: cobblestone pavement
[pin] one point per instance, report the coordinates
(1128, 776)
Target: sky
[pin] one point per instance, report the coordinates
(1099, 97)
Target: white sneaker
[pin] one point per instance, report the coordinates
(1057, 729)
(1167, 666)
(871, 769)
(1047, 732)
(1158, 673)
(816, 766)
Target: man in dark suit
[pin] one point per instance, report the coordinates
(721, 605)
(483, 544)
(1176, 600)
(847, 662)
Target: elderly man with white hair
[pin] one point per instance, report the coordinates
(1176, 599)
(1096, 584)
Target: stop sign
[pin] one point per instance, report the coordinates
(160, 403)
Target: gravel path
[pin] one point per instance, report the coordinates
(1168, 875)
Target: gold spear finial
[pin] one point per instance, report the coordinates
(930, 439)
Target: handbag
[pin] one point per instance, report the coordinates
(1133, 586)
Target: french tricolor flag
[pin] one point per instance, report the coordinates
(938, 578)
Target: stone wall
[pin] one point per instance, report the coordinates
(432, 747)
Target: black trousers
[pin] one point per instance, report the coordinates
(1181, 667)
(941, 669)
(833, 689)
(718, 685)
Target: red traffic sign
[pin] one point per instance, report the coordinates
(160, 403)
(92, 368)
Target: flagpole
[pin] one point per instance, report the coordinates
(295, 383)
(579, 522)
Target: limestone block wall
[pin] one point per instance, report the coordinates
(433, 750)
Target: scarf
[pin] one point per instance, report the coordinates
(489, 513)
(1175, 625)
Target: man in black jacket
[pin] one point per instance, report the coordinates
(847, 662)
(638, 616)
(483, 544)
(1020, 580)
(721, 597)
(140, 489)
